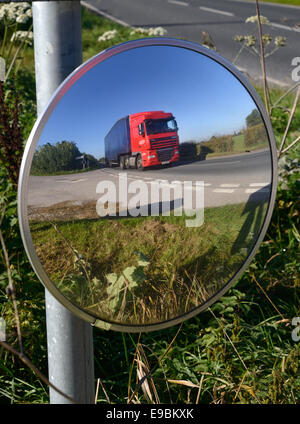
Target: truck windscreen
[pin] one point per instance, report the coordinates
(156, 126)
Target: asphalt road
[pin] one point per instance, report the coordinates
(222, 19)
(227, 180)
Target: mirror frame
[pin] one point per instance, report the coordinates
(34, 139)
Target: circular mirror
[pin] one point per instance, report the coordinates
(147, 184)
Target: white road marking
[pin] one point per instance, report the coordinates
(221, 12)
(229, 188)
(179, 3)
(223, 190)
(258, 184)
(71, 181)
(227, 163)
(269, 79)
(280, 26)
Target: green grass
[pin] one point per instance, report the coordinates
(184, 272)
(238, 147)
(288, 2)
(74, 171)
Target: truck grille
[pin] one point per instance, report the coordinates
(164, 154)
(160, 143)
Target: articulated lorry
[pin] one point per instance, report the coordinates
(141, 140)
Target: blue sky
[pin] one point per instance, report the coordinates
(205, 98)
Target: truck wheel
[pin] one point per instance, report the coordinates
(126, 162)
(139, 163)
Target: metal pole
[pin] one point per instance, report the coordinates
(57, 49)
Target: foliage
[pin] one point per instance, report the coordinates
(61, 156)
(121, 288)
(51, 158)
(23, 83)
(254, 118)
(289, 171)
(30, 293)
(16, 34)
(255, 134)
(220, 143)
(11, 139)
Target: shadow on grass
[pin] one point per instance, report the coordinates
(255, 215)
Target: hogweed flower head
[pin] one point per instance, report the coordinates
(14, 12)
(152, 31)
(280, 41)
(108, 35)
(266, 39)
(22, 36)
(254, 19)
(250, 40)
(22, 19)
(239, 38)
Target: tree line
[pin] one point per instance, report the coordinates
(63, 156)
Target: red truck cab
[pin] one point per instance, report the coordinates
(154, 138)
(142, 139)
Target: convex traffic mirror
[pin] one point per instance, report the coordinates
(147, 184)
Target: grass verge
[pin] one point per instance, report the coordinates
(286, 2)
(183, 267)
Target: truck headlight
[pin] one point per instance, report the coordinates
(151, 156)
(176, 152)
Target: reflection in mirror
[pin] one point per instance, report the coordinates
(149, 185)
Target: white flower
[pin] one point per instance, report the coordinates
(11, 12)
(23, 36)
(108, 35)
(22, 19)
(280, 41)
(239, 38)
(250, 40)
(266, 38)
(139, 30)
(153, 31)
(158, 31)
(254, 19)
(8, 12)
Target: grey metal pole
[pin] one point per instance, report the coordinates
(57, 49)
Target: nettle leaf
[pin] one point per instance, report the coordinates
(114, 290)
(116, 284)
(131, 278)
(134, 276)
(143, 260)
